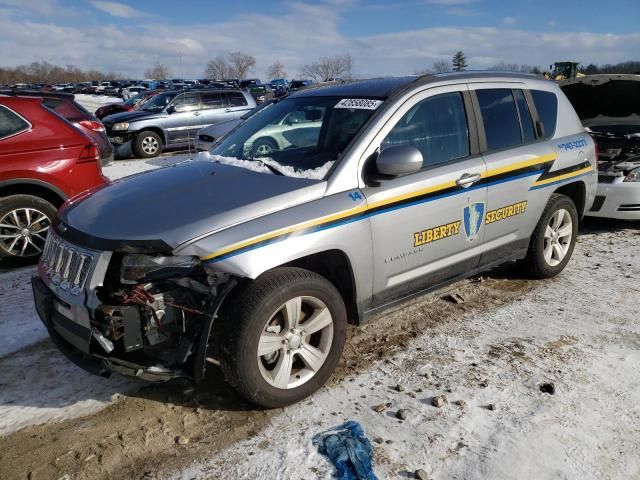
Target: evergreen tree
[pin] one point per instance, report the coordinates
(459, 61)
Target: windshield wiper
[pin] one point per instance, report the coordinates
(270, 167)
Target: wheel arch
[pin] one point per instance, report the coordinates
(157, 130)
(35, 188)
(576, 191)
(335, 266)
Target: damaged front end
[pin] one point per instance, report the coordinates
(142, 315)
(618, 154)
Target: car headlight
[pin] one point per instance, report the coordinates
(139, 268)
(633, 175)
(121, 126)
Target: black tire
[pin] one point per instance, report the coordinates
(145, 143)
(267, 145)
(15, 203)
(535, 263)
(245, 320)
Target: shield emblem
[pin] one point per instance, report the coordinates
(473, 216)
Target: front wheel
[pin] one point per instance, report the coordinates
(282, 337)
(554, 238)
(148, 144)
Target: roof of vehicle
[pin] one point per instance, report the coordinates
(35, 93)
(385, 87)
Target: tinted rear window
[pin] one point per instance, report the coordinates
(11, 123)
(500, 118)
(236, 99)
(547, 107)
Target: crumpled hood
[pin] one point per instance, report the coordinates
(604, 99)
(175, 204)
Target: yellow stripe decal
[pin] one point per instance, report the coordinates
(380, 203)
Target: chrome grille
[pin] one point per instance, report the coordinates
(65, 265)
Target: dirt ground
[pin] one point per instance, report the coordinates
(165, 430)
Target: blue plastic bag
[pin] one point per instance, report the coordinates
(348, 449)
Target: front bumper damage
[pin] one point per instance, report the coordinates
(79, 343)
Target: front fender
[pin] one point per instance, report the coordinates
(338, 222)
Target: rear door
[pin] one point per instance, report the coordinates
(516, 156)
(427, 227)
(237, 106)
(212, 108)
(184, 122)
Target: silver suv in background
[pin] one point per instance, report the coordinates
(390, 188)
(173, 118)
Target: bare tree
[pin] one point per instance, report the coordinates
(505, 67)
(217, 69)
(276, 70)
(441, 66)
(240, 64)
(158, 71)
(329, 68)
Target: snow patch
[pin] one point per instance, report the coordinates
(260, 165)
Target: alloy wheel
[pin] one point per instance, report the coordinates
(557, 237)
(23, 232)
(295, 342)
(150, 145)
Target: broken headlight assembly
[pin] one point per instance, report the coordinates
(139, 268)
(633, 175)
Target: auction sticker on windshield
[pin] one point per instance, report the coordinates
(358, 103)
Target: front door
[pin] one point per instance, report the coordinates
(183, 123)
(427, 227)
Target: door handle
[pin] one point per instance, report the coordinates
(196, 114)
(468, 179)
(227, 110)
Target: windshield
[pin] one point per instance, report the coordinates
(298, 136)
(157, 103)
(136, 99)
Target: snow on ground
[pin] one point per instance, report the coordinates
(578, 331)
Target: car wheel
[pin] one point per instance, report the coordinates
(148, 144)
(554, 238)
(24, 222)
(263, 147)
(282, 337)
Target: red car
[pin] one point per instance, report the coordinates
(64, 104)
(132, 104)
(44, 160)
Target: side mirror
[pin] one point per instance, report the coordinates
(171, 109)
(399, 160)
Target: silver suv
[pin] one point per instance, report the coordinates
(258, 259)
(172, 119)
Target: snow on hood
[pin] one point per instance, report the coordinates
(260, 165)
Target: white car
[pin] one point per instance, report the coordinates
(608, 108)
(299, 128)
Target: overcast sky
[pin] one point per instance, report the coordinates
(384, 37)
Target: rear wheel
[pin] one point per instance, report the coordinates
(148, 144)
(554, 238)
(282, 337)
(24, 223)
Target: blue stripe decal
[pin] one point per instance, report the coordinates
(320, 228)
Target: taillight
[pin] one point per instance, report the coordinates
(89, 153)
(93, 125)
